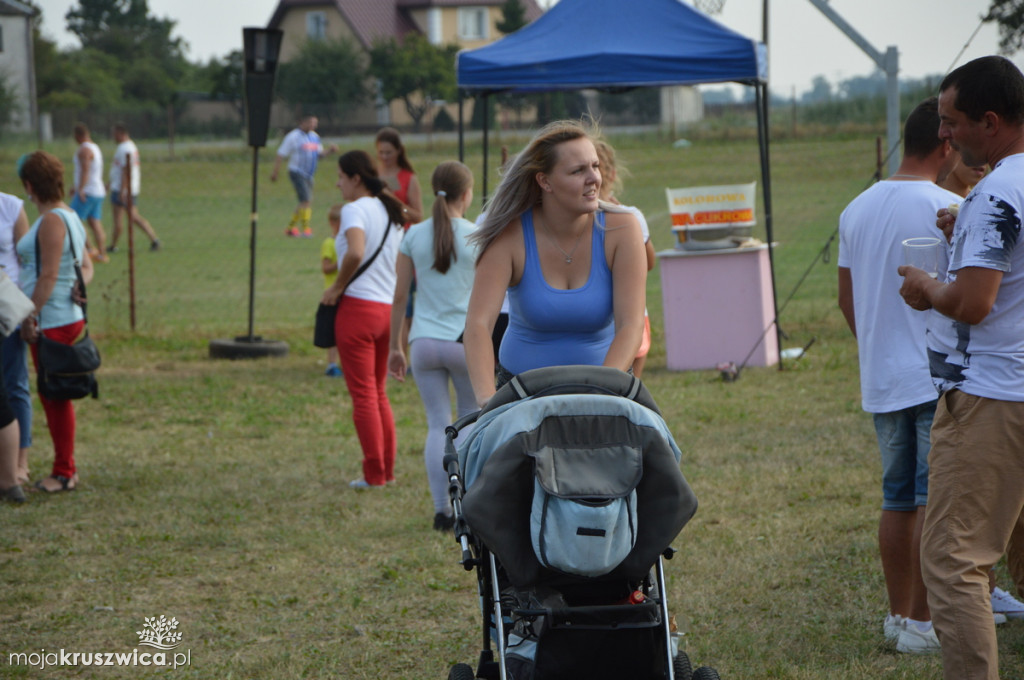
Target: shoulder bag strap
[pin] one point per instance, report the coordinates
(74, 259)
(366, 265)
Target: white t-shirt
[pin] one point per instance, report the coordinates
(93, 184)
(377, 283)
(986, 359)
(890, 335)
(125, 153)
(10, 208)
(644, 229)
(441, 299)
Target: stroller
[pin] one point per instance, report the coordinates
(567, 493)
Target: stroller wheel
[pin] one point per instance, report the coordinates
(681, 667)
(463, 671)
(705, 673)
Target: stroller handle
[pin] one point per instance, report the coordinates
(452, 431)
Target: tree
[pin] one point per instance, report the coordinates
(863, 86)
(325, 78)
(84, 80)
(9, 100)
(513, 17)
(150, 60)
(415, 72)
(1009, 14)
(125, 30)
(221, 79)
(821, 91)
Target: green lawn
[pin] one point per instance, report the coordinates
(216, 492)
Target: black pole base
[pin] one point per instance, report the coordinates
(247, 347)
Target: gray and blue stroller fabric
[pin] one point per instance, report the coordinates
(570, 477)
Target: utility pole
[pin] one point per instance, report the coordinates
(889, 62)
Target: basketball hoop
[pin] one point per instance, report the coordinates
(709, 7)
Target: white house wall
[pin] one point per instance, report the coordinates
(15, 66)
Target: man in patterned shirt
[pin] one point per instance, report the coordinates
(303, 149)
(976, 358)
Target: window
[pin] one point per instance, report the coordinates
(316, 25)
(473, 23)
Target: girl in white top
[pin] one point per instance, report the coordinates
(370, 229)
(611, 183)
(438, 254)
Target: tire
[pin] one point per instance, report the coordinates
(243, 348)
(681, 667)
(705, 673)
(462, 671)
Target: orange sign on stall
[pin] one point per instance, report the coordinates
(723, 205)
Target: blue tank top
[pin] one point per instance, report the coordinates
(552, 327)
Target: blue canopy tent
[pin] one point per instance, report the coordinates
(616, 45)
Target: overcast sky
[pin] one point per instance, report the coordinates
(802, 42)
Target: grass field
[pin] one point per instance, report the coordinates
(216, 492)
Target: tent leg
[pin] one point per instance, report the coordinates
(766, 187)
(487, 122)
(462, 141)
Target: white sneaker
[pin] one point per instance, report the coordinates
(998, 619)
(913, 641)
(363, 484)
(1006, 604)
(892, 626)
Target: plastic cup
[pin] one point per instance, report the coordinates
(925, 252)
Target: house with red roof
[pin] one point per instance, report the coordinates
(466, 23)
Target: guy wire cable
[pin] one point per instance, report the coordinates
(824, 253)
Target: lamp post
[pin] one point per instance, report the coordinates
(261, 51)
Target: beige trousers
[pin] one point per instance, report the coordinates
(975, 499)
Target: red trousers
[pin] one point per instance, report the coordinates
(362, 330)
(60, 414)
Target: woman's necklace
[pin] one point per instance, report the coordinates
(567, 255)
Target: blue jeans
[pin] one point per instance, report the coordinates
(12, 353)
(303, 186)
(904, 439)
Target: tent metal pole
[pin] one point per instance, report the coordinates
(486, 125)
(462, 141)
(766, 188)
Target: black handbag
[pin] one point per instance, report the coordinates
(68, 371)
(323, 327)
(323, 330)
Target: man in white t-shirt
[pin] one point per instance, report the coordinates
(88, 192)
(976, 357)
(127, 156)
(896, 387)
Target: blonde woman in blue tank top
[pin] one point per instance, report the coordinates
(574, 267)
